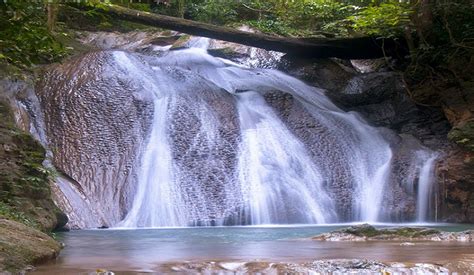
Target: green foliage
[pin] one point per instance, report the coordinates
(8, 212)
(274, 26)
(24, 37)
(301, 17)
(451, 38)
(38, 175)
(443, 58)
(130, 4)
(215, 12)
(387, 19)
(316, 15)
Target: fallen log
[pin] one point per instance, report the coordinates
(346, 48)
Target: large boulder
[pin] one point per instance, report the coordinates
(21, 246)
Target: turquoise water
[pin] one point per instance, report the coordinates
(146, 249)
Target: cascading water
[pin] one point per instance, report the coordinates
(425, 179)
(232, 145)
(277, 179)
(274, 167)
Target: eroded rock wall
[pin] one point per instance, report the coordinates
(381, 97)
(91, 112)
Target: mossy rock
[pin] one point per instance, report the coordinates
(21, 245)
(181, 42)
(463, 135)
(227, 53)
(25, 194)
(366, 230)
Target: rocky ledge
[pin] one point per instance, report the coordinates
(21, 245)
(367, 232)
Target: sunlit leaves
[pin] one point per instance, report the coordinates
(387, 19)
(24, 38)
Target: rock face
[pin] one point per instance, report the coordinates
(25, 193)
(456, 194)
(26, 205)
(381, 98)
(92, 131)
(367, 232)
(21, 245)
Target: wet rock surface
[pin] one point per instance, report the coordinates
(367, 232)
(381, 98)
(149, 42)
(27, 209)
(94, 133)
(456, 184)
(200, 116)
(25, 192)
(309, 130)
(339, 266)
(400, 203)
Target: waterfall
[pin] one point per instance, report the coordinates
(231, 145)
(154, 204)
(275, 178)
(425, 184)
(274, 167)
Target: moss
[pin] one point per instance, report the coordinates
(369, 231)
(21, 245)
(364, 230)
(26, 207)
(25, 194)
(463, 135)
(179, 44)
(227, 52)
(409, 232)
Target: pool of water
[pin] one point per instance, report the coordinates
(145, 250)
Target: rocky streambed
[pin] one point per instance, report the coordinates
(401, 236)
(339, 266)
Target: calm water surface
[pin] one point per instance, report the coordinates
(144, 250)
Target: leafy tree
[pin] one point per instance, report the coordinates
(24, 38)
(386, 19)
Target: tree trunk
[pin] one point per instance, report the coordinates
(347, 48)
(424, 19)
(181, 7)
(52, 14)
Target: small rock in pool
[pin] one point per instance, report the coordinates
(232, 266)
(102, 272)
